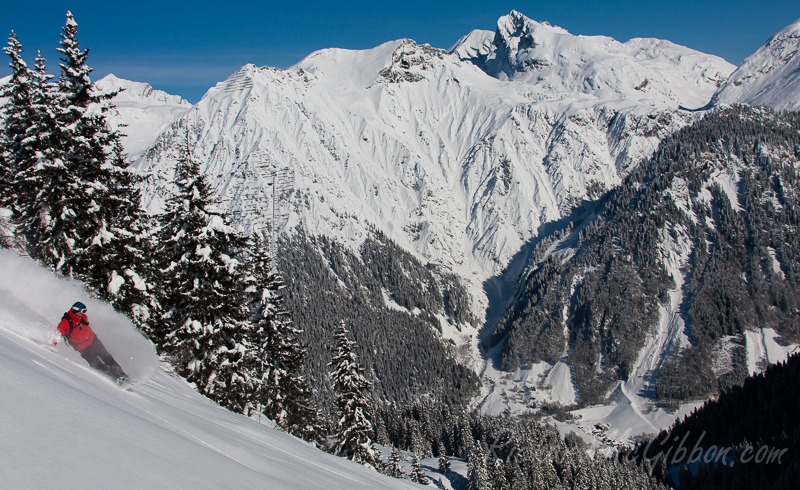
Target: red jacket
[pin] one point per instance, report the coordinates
(82, 335)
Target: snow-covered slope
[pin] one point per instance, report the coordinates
(457, 166)
(145, 112)
(770, 76)
(555, 61)
(65, 426)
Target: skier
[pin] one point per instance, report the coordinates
(76, 332)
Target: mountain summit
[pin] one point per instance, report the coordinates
(770, 76)
(554, 60)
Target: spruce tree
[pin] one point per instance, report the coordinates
(354, 428)
(70, 217)
(393, 467)
(499, 478)
(73, 200)
(287, 395)
(205, 326)
(17, 116)
(417, 475)
(477, 471)
(31, 154)
(106, 228)
(27, 148)
(444, 464)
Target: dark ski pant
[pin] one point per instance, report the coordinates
(98, 357)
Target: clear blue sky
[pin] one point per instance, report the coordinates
(185, 47)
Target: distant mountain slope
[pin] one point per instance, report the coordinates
(555, 61)
(400, 311)
(770, 76)
(453, 166)
(684, 279)
(144, 111)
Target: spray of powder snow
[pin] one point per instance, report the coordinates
(33, 300)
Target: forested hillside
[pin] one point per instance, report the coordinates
(704, 230)
(401, 345)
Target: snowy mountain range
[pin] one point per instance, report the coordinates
(144, 111)
(562, 65)
(461, 157)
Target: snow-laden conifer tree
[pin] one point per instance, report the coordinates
(477, 471)
(17, 116)
(103, 223)
(205, 327)
(417, 475)
(27, 146)
(35, 174)
(444, 462)
(73, 200)
(288, 398)
(393, 467)
(354, 427)
(498, 477)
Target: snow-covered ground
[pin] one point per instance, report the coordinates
(67, 427)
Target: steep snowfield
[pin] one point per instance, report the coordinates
(145, 112)
(557, 62)
(32, 302)
(68, 427)
(770, 76)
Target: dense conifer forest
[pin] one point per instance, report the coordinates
(402, 350)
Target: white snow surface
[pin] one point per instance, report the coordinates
(764, 348)
(146, 112)
(770, 76)
(68, 427)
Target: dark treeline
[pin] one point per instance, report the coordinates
(758, 424)
(402, 351)
(742, 270)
